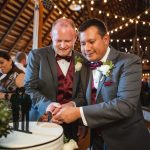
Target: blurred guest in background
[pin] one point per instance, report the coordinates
(21, 60)
(11, 76)
(145, 92)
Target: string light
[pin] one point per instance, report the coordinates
(100, 12)
(131, 20)
(116, 16)
(92, 2)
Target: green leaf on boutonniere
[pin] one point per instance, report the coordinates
(78, 63)
(109, 63)
(66, 140)
(78, 59)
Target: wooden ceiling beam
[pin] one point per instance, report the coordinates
(14, 21)
(45, 21)
(25, 29)
(88, 8)
(4, 6)
(48, 32)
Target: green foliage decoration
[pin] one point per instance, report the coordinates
(5, 116)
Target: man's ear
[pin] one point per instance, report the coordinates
(106, 39)
(75, 37)
(51, 35)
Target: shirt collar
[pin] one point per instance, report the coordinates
(106, 55)
(68, 55)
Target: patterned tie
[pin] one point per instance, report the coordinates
(93, 96)
(94, 65)
(67, 58)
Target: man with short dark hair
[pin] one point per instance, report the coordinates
(112, 85)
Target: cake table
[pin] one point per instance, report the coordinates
(45, 136)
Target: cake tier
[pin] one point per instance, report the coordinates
(45, 136)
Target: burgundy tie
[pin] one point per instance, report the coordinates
(67, 58)
(93, 96)
(94, 65)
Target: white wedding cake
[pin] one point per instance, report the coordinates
(45, 136)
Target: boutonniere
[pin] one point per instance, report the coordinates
(69, 144)
(78, 63)
(108, 83)
(106, 68)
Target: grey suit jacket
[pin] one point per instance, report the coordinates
(41, 79)
(118, 112)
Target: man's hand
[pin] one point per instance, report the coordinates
(68, 114)
(53, 108)
(69, 104)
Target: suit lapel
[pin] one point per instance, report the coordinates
(112, 57)
(75, 76)
(89, 88)
(52, 62)
(101, 82)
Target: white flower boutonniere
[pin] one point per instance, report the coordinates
(78, 63)
(71, 145)
(106, 68)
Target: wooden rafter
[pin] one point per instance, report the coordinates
(4, 6)
(25, 29)
(14, 21)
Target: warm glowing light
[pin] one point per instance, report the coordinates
(80, 1)
(138, 17)
(92, 2)
(123, 18)
(146, 12)
(131, 20)
(116, 16)
(107, 14)
(100, 12)
(137, 22)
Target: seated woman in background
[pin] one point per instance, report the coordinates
(11, 77)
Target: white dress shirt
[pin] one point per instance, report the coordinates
(96, 79)
(64, 66)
